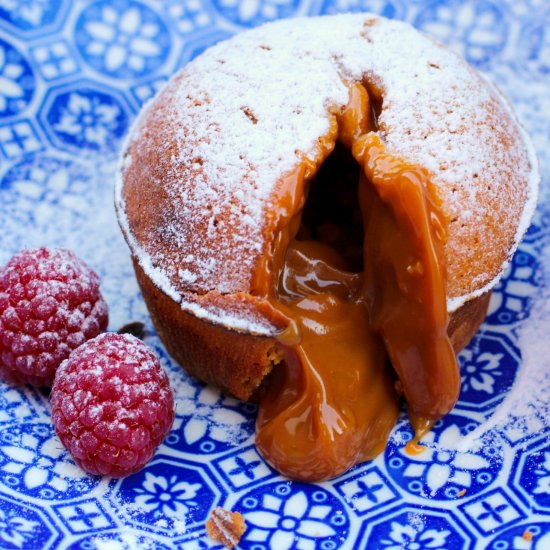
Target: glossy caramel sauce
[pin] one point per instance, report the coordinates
(333, 401)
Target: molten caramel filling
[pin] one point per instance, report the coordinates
(333, 401)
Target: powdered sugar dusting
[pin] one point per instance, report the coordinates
(526, 408)
(50, 303)
(213, 145)
(112, 404)
(209, 410)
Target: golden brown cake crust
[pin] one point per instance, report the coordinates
(201, 166)
(233, 361)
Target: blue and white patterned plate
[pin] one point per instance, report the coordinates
(73, 74)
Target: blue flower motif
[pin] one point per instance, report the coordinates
(441, 470)
(512, 296)
(440, 464)
(188, 15)
(482, 373)
(488, 367)
(167, 496)
(15, 403)
(46, 193)
(481, 34)
(173, 496)
(282, 517)
(415, 530)
(87, 119)
(29, 14)
(515, 538)
(122, 39)
(16, 81)
(207, 421)
(255, 12)
(534, 43)
(34, 462)
(22, 527)
(387, 8)
(535, 475)
(15, 530)
(124, 539)
(406, 536)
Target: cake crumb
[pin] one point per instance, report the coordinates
(461, 493)
(527, 535)
(135, 328)
(225, 526)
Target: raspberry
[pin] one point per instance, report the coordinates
(50, 304)
(112, 404)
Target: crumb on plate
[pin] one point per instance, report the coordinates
(225, 526)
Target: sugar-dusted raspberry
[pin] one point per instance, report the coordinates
(112, 404)
(50, 304)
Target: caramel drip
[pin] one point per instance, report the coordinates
(333, 402)
(405, 280)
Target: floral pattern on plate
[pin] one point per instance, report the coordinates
(73, 75)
